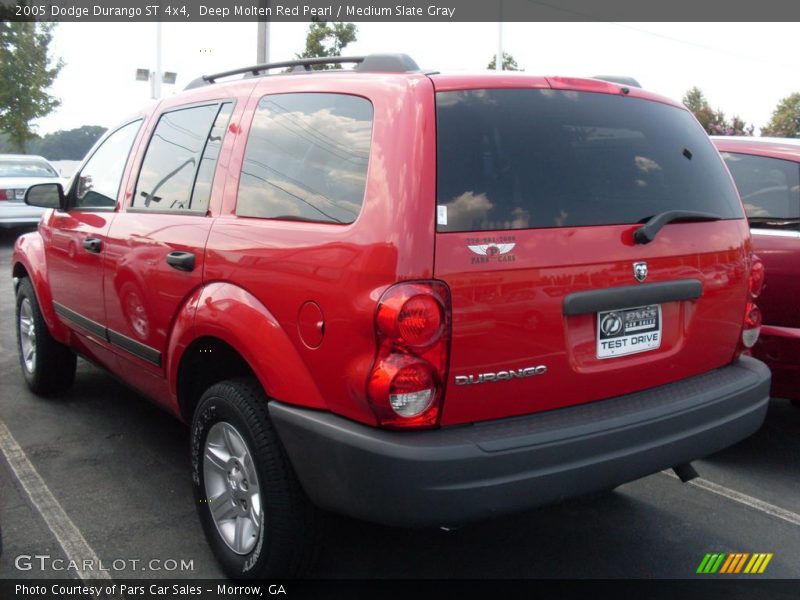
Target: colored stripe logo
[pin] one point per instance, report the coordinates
(736, 562)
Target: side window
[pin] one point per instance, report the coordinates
(306, 158)
(769, 187)
(183, 150)
(208, 164)
(99, 180)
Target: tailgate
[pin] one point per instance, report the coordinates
(509, 314)
(553, 303)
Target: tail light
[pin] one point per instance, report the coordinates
(4, 195)
(752, 314)
(406, 384)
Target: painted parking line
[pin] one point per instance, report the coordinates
(67, 534)
(750, 501)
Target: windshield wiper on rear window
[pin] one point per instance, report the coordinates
(647, 232)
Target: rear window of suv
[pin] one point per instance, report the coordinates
(519, 159)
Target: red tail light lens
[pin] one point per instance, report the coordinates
(406, 385)
(411, 315)
(3, 195)
(752, 325)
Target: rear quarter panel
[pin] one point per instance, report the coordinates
(342, 268)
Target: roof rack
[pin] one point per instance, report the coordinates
(372, 63)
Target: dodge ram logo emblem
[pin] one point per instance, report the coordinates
(640, 271)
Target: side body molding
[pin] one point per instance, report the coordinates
(238, 318)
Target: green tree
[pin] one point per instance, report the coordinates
(26, 73)
(509, 64)
(71, 144)
(695, 100)
(324, 39)
(785, 120)
(714, 121)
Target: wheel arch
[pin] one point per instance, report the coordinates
(224, 332)
(29, 261)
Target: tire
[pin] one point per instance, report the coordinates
(282, 538)
(47, 365)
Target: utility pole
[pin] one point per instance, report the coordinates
(262, 47)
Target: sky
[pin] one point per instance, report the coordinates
(743, 68)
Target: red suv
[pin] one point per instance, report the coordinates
(413, 298)
(767, 173)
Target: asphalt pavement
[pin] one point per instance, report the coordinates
(118, 469)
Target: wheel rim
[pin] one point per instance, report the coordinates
(232, 489)
(27, 335)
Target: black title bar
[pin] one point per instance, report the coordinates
(398, 10)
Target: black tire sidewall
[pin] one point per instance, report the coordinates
(215, 408)
(26, 291)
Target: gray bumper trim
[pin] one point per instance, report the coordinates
(464, 473)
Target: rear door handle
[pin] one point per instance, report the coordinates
(183, 261)
(93, 244)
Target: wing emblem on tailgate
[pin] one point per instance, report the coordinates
(492, 249)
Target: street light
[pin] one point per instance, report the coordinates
(157, 77)
(168, 77)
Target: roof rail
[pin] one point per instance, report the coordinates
(621, 79)
(372, 63)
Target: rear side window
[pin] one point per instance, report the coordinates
(178, 167)
(306, 158)
(769, 187)
(518, 159)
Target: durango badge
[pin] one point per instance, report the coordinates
(640, 271)
(501, 375)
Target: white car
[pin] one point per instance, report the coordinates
(17, 173)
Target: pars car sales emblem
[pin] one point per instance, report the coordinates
(640, 271)
(494, 248)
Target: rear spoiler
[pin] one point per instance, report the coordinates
(621, 79)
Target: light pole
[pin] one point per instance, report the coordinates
(159, 76)
(498, 59)
(262, 37)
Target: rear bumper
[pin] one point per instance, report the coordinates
(465, 473)
(779, 347)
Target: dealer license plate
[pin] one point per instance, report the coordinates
(628, 331)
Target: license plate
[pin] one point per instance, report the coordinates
(628, 331)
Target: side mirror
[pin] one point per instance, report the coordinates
(46, 195)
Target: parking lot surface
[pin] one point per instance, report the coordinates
(117, 469)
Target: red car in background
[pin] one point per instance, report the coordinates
(767, 173)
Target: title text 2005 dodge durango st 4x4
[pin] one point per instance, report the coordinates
(413, 298)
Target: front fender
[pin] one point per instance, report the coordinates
(29, 252)
(238, 318)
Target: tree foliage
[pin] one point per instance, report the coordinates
(324, 39)
(714, 121)
(509, 64)
(26, 73)
(785, 120)
(71, 144)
